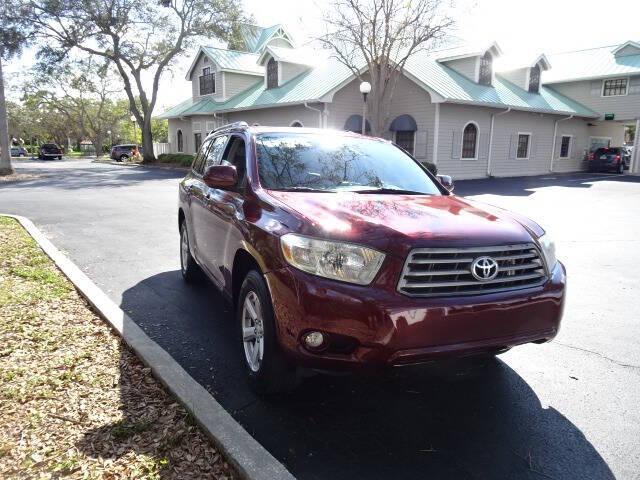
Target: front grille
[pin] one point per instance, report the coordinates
(442, 272)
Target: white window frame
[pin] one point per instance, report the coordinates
(179, 131)
(196, 127)
(475, 153)
(528, 145)
(570, 146)
(210, 126)
(297, 121)
(414, 141)
(604, 81)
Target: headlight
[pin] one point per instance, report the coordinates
(336, 260)
(548, 251)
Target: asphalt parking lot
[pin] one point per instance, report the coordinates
(568, 409)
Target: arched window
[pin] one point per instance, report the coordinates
(296, 123)
(486, 69)
(405, 128)
(470, 141)
(180, 142)
(272, 73)
(534, 79)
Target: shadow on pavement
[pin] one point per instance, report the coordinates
(459, 420)
(525, 186)
(75, 177)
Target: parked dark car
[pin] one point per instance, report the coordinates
(19, 152)
(124, 152)
(47, 151)
(340, 251)
(607, 159)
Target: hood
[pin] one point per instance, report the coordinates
(397, 223)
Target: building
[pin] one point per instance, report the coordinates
(451, 106)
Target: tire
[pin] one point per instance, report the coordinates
(191, 272)
(123, 158)
(59, 157)
(271, 373)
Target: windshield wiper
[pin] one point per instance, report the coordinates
(391, 191)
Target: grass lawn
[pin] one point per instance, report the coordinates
(75, 402)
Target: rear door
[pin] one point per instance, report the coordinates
(194, 191)
(204, 230)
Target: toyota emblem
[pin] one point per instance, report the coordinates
(484, 268)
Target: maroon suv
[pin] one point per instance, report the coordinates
(342, 251)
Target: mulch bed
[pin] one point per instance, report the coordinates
(75, 402)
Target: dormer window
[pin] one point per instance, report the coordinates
(207, 82)
(272, 73)
(534, 79)
(486, 69)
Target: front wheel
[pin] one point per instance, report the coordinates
(190, 270)
(267, 370)
(123, 158)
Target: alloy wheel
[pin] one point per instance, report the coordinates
(253, 331)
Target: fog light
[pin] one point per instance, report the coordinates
(314, 339)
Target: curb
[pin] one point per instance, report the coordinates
(250, 459)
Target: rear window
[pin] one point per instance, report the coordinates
(49, 145)
(608, 151)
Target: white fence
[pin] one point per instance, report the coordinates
(160, 148)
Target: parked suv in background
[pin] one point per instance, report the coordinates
(606, 159)
(340, 251)
(19, 152)
(47, 151)
(123, 152)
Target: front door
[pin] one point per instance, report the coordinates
(226, 212)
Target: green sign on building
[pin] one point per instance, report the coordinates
(609, 116)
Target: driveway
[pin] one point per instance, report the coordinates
(568, 409)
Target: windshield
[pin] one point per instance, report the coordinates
(334, 162)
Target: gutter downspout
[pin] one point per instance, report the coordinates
(436, 133)
(555, 137)
(493, 117)
(315, 110)
(635, 158)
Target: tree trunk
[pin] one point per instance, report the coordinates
(5, 154)
(97, 143)
(147, 142)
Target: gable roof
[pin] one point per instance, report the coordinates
(228, 60)
(465, 51)
(255, 37)
(443, 83)
(629, 46)
(589, 64)
(298, 56)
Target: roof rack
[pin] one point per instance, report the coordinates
(233, 125)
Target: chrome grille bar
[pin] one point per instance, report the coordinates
(441, 272)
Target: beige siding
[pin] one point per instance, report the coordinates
(464, 66)
(517, 77)
(408, 99)
(279, 116)
(579, 132)
(289, 71)
(195, 78)
(589, 93)
(187, 135)
(235, 83)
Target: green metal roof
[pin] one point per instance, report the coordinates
(434, 76)
(234, 60)
(592, 63)
(454, 87)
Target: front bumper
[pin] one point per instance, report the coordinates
(381, 327)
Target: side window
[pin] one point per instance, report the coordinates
(235, 154)
(198, 162)
(215, 152)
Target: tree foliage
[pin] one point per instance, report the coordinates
(140, 38)
(376, 38)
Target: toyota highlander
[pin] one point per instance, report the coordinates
(340, 251)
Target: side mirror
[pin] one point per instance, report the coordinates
(220, 176)
(446, 181)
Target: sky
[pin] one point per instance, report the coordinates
(519, 27)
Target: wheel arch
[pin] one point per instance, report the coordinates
(243, 262)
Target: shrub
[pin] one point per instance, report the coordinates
(431, 167)
(176, 159)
